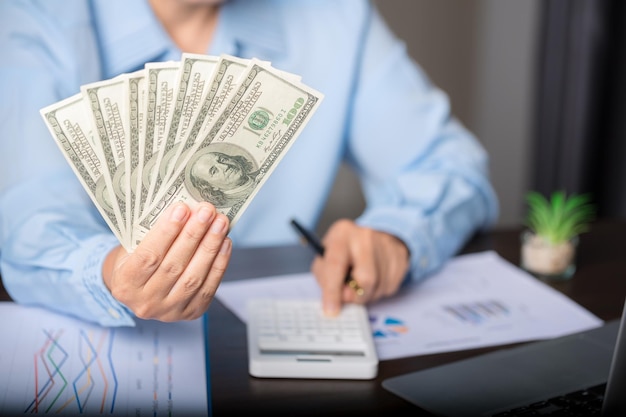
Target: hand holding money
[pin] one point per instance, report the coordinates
(174, 272)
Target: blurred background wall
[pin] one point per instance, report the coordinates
(483, 53)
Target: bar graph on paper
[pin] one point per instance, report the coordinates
(52, 364)
(476, 301)
(475, 313)
(478, 312)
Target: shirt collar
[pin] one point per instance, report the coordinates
(250, 28)
(130, 34)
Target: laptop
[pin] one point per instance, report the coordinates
(586, 369)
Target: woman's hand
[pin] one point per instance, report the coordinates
(174, 272)
(379, 263)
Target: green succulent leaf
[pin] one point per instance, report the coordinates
(559, 217)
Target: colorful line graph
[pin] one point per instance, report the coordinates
(60, 386)
(55, 364)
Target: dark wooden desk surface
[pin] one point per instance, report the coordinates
(598, 285)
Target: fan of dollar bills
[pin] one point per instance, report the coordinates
(206, 128)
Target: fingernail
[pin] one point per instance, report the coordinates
(204, 215)
(218, 226)
(225, 246)
(179, 212)
(330, 309)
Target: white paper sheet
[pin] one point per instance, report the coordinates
(476, 300)
(51, 363)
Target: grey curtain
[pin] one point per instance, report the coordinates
(580, 123)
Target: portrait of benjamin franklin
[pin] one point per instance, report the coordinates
(222, 174)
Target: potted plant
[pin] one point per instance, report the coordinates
(553, 227)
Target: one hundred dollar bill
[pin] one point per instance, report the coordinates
(229, 165)
(71, 127)
(194, 77)
(161, 85)
(108, 103)
(136, 96)
(221, 86)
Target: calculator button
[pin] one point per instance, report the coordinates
(309, 345)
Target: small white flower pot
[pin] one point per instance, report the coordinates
(546, 260)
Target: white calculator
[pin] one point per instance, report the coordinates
(293, 339)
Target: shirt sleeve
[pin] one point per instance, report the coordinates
(424, 175)
(53, 249)
(53, 241)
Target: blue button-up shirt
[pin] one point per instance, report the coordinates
(424, 176)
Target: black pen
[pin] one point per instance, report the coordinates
(315, 243)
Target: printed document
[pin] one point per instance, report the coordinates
(476, 300)
(54, 364)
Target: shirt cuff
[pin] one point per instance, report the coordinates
(423, 255)
(104, 309)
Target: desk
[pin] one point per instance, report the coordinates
(599, 285)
